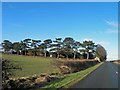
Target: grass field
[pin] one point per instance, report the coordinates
(31, 65)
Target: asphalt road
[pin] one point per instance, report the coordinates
(106, 76)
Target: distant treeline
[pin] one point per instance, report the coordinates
(59, 48)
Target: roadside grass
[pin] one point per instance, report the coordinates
(31, 65)
(70, 79)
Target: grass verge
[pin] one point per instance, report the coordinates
(70, 79)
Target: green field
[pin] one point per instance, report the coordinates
(31, 65)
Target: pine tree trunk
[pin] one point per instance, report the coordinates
(74, 55)
(25, 53)
(58, 55)
(17, 52)
(34, 53)
(87, 55)
(67, 57)
(45, 54)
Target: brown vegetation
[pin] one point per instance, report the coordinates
(29, 82)
(71, 66)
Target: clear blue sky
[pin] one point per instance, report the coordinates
(82, 21)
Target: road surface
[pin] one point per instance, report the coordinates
(106, 76)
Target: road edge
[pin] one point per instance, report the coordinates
(68, 85)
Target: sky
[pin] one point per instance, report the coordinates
(95, 21)
(60, 0)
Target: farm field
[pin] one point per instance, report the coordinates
(31, 65)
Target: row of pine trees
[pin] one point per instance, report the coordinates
(59, 48)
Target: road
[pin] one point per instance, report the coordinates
(106, 76)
